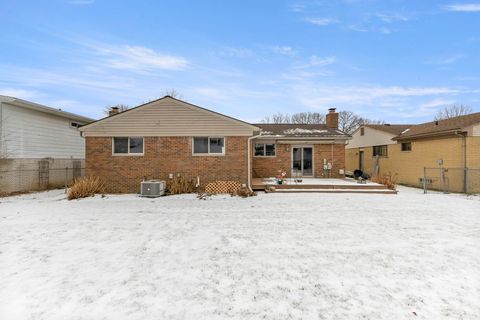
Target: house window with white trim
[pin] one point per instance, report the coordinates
(264, 150)
(128, 146)
(209, 145)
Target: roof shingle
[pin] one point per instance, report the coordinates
(299, 130)
(440, 127)
(394, 129)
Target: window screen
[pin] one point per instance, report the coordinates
(200, 145)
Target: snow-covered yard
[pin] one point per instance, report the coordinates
(274, 256)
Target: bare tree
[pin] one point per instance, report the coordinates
(121, 108)
(452, 111)
(308, 118)
(172, 92)
(348, 121)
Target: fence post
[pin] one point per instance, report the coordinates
(66, 179)
(465, 177)
(424, 180)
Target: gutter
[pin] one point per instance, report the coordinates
(426, 135)
(249, 160)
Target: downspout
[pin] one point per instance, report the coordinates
(464, 154)
(331, 168)
(249, 165)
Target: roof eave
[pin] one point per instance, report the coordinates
(283, 137)
(428, 135)
(41, 108)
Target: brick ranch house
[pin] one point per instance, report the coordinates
(169, 137)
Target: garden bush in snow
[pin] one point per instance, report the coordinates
(85, 187)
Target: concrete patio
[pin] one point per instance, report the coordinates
(325, 185)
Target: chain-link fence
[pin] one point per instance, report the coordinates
(43, 178)
(460, 180)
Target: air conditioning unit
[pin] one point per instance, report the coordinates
(152, 188)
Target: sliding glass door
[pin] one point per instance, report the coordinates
(302, 162)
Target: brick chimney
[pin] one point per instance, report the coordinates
(332, 119)
(113, 111)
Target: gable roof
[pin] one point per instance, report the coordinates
(300, 130)
(394, 129)
(440, 127)
(41, 108)
(168, 116)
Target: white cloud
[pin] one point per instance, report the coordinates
(435, 103)
(446, 60)
(357, 28)
(19, 93)
(392, 17)
(465, 7)
(313, 62)
(384, 30)
(138, 58)
(285, 50)
(317, 96)
(297, 7)
(236, 52)
(321, 21)
(212, 93)
(321, 61)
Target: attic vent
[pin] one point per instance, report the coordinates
(74, 124)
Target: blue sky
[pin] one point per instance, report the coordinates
(398, 61)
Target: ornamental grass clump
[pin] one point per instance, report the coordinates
(388, 180)
(85, 187)
(179, 185)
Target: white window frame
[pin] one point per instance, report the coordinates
(264, 150)
(209, 154)
(128, 152)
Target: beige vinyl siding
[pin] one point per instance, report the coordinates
(371, 137)
(168, 117)
(31, 134)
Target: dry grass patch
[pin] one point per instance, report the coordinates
(389, 180)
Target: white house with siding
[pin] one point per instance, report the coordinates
(37, 144)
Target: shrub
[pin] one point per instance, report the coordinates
(85, 187)
(180, 185)
(388, 180)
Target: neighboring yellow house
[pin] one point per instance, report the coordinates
(446, 152)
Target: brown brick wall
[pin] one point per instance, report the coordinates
(162, 156)
(268, 166)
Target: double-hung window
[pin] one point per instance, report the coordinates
(264, 150)
(380, 151)
(209, 145)
(128, 146)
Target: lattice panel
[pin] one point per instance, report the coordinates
(222, 187)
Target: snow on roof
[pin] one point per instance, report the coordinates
(300, 131)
